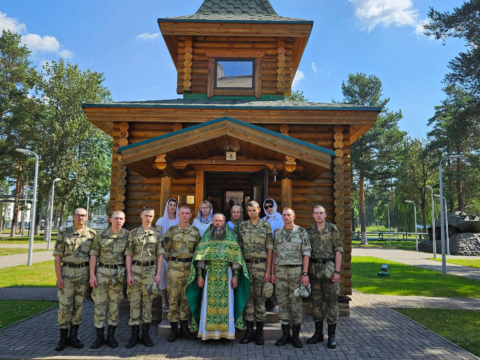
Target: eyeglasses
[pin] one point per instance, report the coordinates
(81, 215)
(268, 206)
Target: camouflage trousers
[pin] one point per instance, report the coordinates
(255, 308)
(288, 279)
(140, 301)
(324, 295)
(72, 296)
(178, 273)
(106, 297)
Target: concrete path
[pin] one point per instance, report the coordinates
(26, 246)
(374, 331)
(28, 293)
(419, 259)
(22, 259)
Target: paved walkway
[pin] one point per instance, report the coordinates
(22, 259)
(26, 246)
(374, 331)
(419, 259)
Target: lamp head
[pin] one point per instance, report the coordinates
(436, 195)
(455, 156)
(23, 151)
(429, 187)
(57, 179)
(409, 201)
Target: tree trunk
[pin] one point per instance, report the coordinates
(36, 227)
(424, 218)
(13, 231)
(22, 221)
(459, 184)
(354, 226)
(48, 221)
(55, 218)
(394, 223)
(363, 227)
(62, 211)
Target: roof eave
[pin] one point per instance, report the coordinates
(242, 21)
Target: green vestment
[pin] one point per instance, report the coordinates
(218, 254)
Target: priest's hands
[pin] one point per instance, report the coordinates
(234, 283)
(200, 282)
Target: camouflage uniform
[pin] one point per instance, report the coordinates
(325, 244)
(109, 249)
(254, 241)
(289, 252)
(143, 246)
(179, 243)
(73, 247)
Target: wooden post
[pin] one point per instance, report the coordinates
(286, 192)
(165, 192)
(199, 184)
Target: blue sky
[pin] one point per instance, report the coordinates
(121, 39)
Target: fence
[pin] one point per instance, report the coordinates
(383, 235)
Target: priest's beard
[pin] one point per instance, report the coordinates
(218, 233)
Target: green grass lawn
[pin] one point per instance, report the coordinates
(12, 311)
(459, 326)
(38, 239)
(5, 251)
(401, 245)
(408, 280)
(464, 262)
(37, 275)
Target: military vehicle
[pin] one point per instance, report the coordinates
(458, 222)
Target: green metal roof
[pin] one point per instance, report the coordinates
(236, 11)
(234, 104)
(227, 118)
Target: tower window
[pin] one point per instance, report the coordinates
(234, 74)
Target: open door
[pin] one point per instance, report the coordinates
(259, 183)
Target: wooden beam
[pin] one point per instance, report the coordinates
(199, 187)
(229, 168)
(163, 164)
(286, 191)
(362, 130)
(165, 193)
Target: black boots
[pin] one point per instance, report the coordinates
(173, 332)
(73, 340)
(63, 340)
(259, 334)
(318, 336)
(185, 331)
(145, 340)
(110, 341)
(296, 337)
(135, 338)
(100, 340)
(332, 343)
(249, 334)
(286, 337)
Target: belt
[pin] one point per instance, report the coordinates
(77, 266)
(109, 266)
(184, 260)
(144, 263)
(290, 266)
(255, 261)
(319, 261)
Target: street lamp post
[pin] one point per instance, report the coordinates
(434, 241)
(51, 214)
(415, 214)
(34, 204)
(88, 203)
(389, 244)
(442, 224)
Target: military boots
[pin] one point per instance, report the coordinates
(259, 340)
(63, 340)
(318, 336)
(185, 331)
(286, 337)
(296, 337)
(100, 340)
(145, 340)
(135, 338)
(110, 341)
(73, 340)
(332, 343)
(249, 334)
(173, 332)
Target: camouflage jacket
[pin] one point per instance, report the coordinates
(180, 242)
(73, 245)
(255, 240)
(145, 245)
(291, 248)
(109, 247)
(325, 243)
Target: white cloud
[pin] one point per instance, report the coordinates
(314, 67)
(147, 36)
(34, 42)
(298, 77)
(373, 13)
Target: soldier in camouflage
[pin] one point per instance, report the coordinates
(326, 260)
(180, 243)
(108, 250)
(144, 257)
(291, 255)
(71, 268)
(256, 241)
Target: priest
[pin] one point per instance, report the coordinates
(218, 285)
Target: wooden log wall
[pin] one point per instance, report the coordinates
(199, 61)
